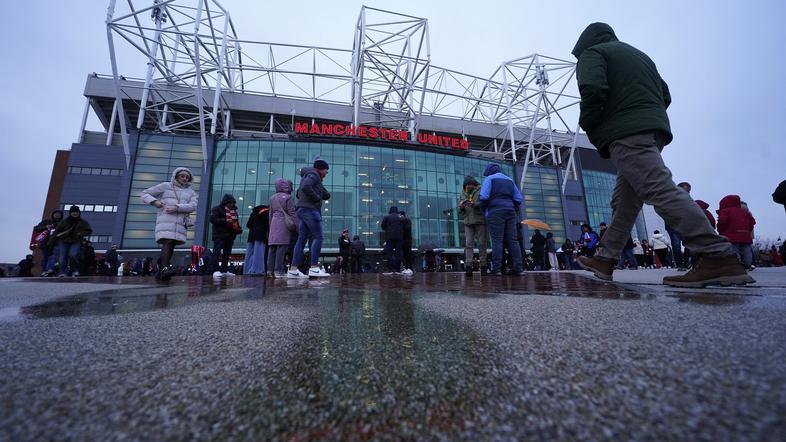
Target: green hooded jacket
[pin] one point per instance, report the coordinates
(469, 207)
(622, 93)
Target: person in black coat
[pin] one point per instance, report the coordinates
(538, 246)
(394, 237)
(356, 251)
(226, 227)
(258, 225)
(26, 267)
(344, 245)
(406, 244)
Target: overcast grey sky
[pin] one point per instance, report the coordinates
(724, 62)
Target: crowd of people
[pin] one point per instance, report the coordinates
(622, 111)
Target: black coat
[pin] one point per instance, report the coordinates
(538, 243)
(407, 229)
(218, 218)
(357, 248)
(258, 224)
(344, 244)
(393, 226)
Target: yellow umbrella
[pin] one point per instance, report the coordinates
(536, 224)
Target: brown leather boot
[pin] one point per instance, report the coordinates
(602, 268)
(725, 270)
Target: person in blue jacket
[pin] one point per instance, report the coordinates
(500, 200)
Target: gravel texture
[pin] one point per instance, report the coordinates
(418, 359)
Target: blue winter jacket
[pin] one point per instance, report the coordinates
(498, 192)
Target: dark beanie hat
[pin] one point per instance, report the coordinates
(319, 163)
(74, 208)
(470, 180)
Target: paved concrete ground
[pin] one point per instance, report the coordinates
(435, 356)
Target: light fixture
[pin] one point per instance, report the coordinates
(365, 200)
(366, 158)
(240, 198)
(402, 161)
(403, 186)
(367, 184)
(362, 174)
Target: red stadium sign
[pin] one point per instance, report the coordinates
(379, 133)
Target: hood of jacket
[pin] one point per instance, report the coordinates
(470, 180)
(52, 215)
(282, 185)
(595, 33)
(228, 198)
(657, 235)
(729, 201)
(177, 171)
(702, 204)
(309, 170)
(491, 169)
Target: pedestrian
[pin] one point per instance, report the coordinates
(704, 206)
(551, 251)
(406, 244)
(258, 226)
(628, 255)
(45, 229)
(538, 247)
(87, 258)
(147, 266)
(638, 252)
(393, 226)
(736, 224)
(344, 245)
(779, 195)
(310, 195)
(567, 254)
(602, 230)
(623, 111)
(26, 267)
(474, 225)
(283, 226)
(174, 201)
(648, 254)
(226, 227)
(357, 250)
(112, 259)
(660, 245)
(777, 259)
(500, 199)
(68, 240)
(588, 241)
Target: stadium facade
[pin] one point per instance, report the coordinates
(395, 129)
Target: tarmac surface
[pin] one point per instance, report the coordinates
(547, 355)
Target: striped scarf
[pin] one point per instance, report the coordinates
(232, 219)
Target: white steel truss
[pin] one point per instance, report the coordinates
(196, 61)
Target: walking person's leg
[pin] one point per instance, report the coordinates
(303, 234)
(676, 247)
(469, 243)
(482, 238)
(511, 242)
(497, 233)
(248, 261)
(315, 226)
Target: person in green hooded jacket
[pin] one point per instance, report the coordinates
(474, 224)
(623, 111)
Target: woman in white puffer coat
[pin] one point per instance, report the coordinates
(175, 200)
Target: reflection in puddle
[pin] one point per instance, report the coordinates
(710, 298)
(375, 364)
(110, 302)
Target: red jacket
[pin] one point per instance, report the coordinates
(734, 222)
(704, 206)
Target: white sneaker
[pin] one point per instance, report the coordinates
(295, 274)
(229, 274)
(319, 273)
(218, 275)
(407, 272)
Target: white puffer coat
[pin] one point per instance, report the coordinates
(172, 225)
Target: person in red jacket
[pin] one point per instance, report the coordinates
(736, 224)
(704, 206)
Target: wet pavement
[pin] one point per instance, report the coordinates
(433, 356)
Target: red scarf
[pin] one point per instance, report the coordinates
(232, 219)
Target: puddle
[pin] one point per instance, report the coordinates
(121, 301)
